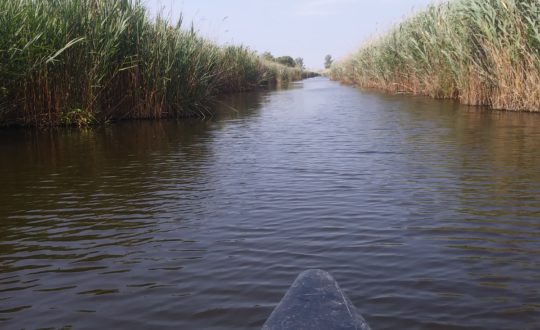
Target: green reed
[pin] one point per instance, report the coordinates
(76, 62)
(482, 52)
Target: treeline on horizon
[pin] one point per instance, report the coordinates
(481, 52)
(77, 62)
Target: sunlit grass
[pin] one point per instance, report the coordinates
(82, 61)
(482, 52)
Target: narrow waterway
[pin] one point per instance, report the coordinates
(426, 212)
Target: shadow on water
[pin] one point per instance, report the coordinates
(101, 212)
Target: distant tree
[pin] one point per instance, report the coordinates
(299, 62)
(268, 56)
(328, 61)
(286, 60)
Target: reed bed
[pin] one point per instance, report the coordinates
(76, 62)
(482, 52)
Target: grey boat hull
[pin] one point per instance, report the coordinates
(315, 302)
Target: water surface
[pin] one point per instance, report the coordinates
(425, 211)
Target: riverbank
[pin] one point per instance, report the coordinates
(479, 52)
(79, 62)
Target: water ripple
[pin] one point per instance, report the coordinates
(425, 211)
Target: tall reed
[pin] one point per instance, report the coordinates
(482, 52)
(81, 61)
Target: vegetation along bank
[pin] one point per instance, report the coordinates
(482, 52)
(77, 62)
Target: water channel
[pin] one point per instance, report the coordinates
(427, 213)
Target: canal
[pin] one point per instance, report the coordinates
(426, 212)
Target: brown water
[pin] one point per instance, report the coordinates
(426, 212)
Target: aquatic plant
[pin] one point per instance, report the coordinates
(80, 61)
(482, 52)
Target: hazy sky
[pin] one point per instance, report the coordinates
(299, 28)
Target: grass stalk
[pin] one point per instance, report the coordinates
(481, 52)
(77, 62)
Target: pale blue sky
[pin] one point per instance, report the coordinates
(299, 28)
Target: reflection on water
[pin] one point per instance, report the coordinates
(427, 213)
